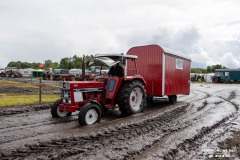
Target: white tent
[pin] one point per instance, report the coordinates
(209, 77)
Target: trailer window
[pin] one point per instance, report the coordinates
(226, 73)
(179, 64)
(218, 73)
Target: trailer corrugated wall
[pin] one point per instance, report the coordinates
(177, 78)
(149, 66)
(164, 72)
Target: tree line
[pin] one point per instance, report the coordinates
(66, 63)
(209, 69)
(76, 62)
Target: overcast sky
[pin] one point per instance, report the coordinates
(207, 31)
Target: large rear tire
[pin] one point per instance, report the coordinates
(56, 113)
(132, 98)
(89, 114)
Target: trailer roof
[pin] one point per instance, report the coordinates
(226, 70)
(176, 53)
(166, 51)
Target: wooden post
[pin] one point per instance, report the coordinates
(40, 90)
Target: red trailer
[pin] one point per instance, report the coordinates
(166, 72)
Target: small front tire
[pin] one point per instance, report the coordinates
(89, 114)
(56, 113)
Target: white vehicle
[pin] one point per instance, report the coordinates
(2, 70)
(75, 72)
(26, 72)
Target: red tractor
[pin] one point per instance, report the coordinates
(93, 98)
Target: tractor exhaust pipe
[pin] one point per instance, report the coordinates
(83, 68)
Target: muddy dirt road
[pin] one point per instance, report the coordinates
(190, 129)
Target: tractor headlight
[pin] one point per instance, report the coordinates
(65, 85)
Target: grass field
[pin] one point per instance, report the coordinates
(16, 99)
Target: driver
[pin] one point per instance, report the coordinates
(116, 70)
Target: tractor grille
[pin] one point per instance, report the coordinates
(66, 96)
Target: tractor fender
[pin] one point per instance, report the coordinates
(136, 77)
(96, 102)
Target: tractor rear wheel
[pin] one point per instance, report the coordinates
(56, 113)
(132, 98)
(172, 99)
(89, 114)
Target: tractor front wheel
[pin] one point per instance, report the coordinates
(132, 98)
(89, 114)
(55, 111)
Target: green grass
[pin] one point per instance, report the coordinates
(25, 99)
(13, 99)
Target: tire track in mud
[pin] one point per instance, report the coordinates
(190, 143)
(37, 124)
(29, 130)
(194, 97)
(203, 106)
(52, 121)
(88, 145)
(35, 127)
(123, 142)
(228, 99)
(193, 143)
(231, 96)
(25, 109)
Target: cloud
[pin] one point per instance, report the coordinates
(181, 39)
(35, 31)
(230, 60)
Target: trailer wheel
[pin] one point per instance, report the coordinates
(172, 99)
(56, 113)
(225, 81)
(215, 80)
(89, 114)
(132, 98)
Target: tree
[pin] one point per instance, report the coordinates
(64, 63)
(48, 63)
(198, 70)
(212, 68)
(54, 65)
(77, 61)
(73, 62)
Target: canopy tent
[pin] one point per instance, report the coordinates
(37, 73)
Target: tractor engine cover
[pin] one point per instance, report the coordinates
(83, 85)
